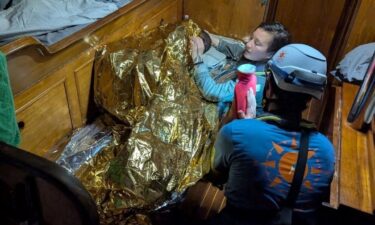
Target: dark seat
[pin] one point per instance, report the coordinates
(34, 190)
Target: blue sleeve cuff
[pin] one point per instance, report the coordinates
(211, 90)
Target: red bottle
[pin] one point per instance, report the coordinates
(246, 80)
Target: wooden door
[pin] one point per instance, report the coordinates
(363, 27)
(310, 22)
(226, 17)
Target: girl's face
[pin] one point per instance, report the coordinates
(257, 46)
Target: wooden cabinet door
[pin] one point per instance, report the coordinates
(226, 17)
(52, 108)
(44, 114)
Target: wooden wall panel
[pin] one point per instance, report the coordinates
(311, 22)
(82, 77)
(226, 17)
(149, 16)
(363, 29)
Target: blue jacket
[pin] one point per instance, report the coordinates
(259, 159)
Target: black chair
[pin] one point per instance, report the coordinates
(36, 191)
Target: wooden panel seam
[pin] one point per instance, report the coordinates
(76, 79)
(72, 99)
(78, 87)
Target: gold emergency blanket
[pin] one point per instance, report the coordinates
(145, 81)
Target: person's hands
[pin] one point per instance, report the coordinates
(251, 107)
(246, 39)
(197, 48)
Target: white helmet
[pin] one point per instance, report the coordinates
(299, 68)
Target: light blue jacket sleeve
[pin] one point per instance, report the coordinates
(211, 90)
(219, 92)
(231, 48)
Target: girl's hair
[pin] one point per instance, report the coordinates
(281, 35)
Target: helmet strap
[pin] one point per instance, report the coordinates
(269, 96)
(273, 103)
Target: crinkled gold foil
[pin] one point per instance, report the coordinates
(146, 82)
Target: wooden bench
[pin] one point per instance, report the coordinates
(354, 181)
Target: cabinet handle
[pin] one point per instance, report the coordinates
(21, 125)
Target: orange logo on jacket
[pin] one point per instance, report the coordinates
(283, 162)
